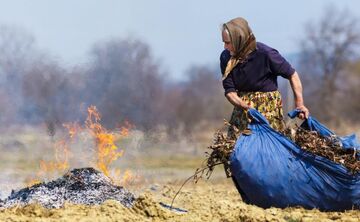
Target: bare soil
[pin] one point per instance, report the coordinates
(205, 201)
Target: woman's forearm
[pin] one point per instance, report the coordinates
(297, 89)
(236, 100)
(296, 86)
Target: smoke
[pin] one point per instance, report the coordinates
(122, 79)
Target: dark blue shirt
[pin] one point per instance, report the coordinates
(258, 73)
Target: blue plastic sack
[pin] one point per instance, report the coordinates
(270, 170)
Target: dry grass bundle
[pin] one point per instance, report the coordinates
(220, 151)
(328, 147)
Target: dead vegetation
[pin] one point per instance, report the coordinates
(328, 147)
(309, 141)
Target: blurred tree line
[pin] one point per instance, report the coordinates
(122, 79)
(330, 62)
(126, 83)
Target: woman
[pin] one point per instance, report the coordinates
(250, 71)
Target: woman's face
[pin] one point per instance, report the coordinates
(227, 42)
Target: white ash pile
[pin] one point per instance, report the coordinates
(79, 186)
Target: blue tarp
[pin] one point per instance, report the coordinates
(270, 170)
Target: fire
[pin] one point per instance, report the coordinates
(73, 129)
(125, 128)
(105, 148)
(61, 162)
(61, 159)
(126, 178)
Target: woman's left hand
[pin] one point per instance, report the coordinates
(304, 112)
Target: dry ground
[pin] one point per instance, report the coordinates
(159, 170)
(204, 202)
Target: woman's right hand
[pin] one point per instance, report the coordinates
(245, 107)
(237, 101)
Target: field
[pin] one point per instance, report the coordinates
(157, 169)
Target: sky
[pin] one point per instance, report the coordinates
(180, 33)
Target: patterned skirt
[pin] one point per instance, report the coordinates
(269, 104)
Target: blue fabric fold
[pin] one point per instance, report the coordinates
(272, 171)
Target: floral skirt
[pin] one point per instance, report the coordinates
(269, 104)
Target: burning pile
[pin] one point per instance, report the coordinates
(80, 186)
(105, 148)
(328, 147)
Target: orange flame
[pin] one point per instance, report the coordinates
(125, 128)
(127, 177)
(106, 150)
(60, 164)
(73, 129)
(61, 159)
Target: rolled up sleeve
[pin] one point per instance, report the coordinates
(224, 58)
(228, 82)
(279, 65)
